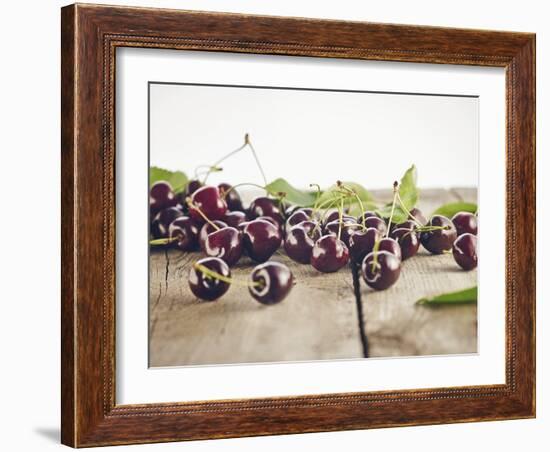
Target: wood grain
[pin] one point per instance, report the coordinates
(91, 34)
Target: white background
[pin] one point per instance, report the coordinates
(135, 67)
(31, 273)
(315, 136)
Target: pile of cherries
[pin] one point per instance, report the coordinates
(213, 219)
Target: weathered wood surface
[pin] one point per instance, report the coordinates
(321, 317)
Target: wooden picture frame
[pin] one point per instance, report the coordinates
(90, 36)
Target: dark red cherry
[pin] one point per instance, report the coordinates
(206, 229)
(334, 215)
(232, 197)
(408, 241)
(234, 218)
(348, 229)
(362, 243)
(186, 231)
(207, 199)
(270, 282)
(265, 207)
(439, 240)
(161, 197)
(298, 217)
(192, 186)
(408, 224)
(465, 222)
(367, 214)
(381, 269)
(207, 287)
(161, 222)
(329, 254)
(300, 240)
(290, 209)
(465, 252)
(391, 246)
(261, 239)
(377, 223)
(225, 243)
(418, 215)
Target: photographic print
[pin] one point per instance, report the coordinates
(293, 224)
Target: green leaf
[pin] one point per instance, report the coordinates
(304, 198)
(459, 297)
(450, 209)
(407, 188)
(177, 179)
(333, 192)
(408, 191)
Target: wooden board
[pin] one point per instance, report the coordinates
(321, 319)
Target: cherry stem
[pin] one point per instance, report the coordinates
(247, 141)
(325, 205)
(208, 169)
(356, 196)
(409, 214)
(318, 187)
(160, 242)
(375, 249)
(235, 151)
(431, 228)
(215, 275)
(192, 205)
(395, 195)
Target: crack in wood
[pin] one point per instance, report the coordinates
(359, 303)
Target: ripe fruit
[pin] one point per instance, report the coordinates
(270, 282)
(161, 223)
(380, 269)
(418, 215)
(408, 241)
(464, 251)
(362, 243)
(367, 214)
(186, 231)
(329, 254)
(161, 197)
(300, 240)
(234, 218)
(377, 223)
(297, 217)
(208, 201)
(208, 228)
(265, 207)
(225, 243)
(207, 287)
(192, 186)
(347, 230)
(391, 246)
(232, 197)
(261, 239)
(465, 222)
(439, 240)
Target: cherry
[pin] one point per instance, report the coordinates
(225, 243)
(408, 224)
(391, 246)
(465, 222)
(270, 283)
(408, 241)
(329, 254)
(232, 197)
(265, 207)
(377, 223)
(161, 197)
(300, 240)
(290, 209)
(207, 200)
(334, 215)
(380, 269)
(367, 214)
(347, 230)
(192, 186)
(298, 216)
(186, 231)
(439, 240)
(161, 222)
(464, 251)
(207, 287)
(261, 239)
(208, 228)
(418, 215)
(362, 243)
(234, 218)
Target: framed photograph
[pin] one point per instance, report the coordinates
(281, 225)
